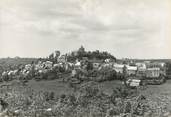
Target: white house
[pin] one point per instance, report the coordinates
(78, 64)
(28, 67)
(118, 68)
(48, 64)
(153, 72)
(141, 69)
(141, 65)
(131, 70)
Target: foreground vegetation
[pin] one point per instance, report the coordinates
(88, 100)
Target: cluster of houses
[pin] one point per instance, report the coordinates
(145, 68)
(38, 68)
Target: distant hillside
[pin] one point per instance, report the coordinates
(16, 60)
(153, 60)
(13, 63)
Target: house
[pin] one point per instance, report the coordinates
(162, 64)
(141, 72)
(141, 65)
(131, 70)
(4, 73)
(74, 72)
(153, 72)
(77, 64)
(12, 72)
(28, 67)
(107, 65)
(107, 60)
(96, 63)
(48, 64)
(133, 82)
(141, 69)
(156, 64)
(118, 68)
(39, 65)
(62, 59)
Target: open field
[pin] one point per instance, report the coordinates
(59, 87)
(56, 86)
(158, 97)
(158, 93)
(107, 86)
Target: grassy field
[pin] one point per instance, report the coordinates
(59, 87)
(161, 94)
(157, 96)
(153, 92)
(56, 86)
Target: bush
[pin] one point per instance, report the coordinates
(123, 92)
(49, 96)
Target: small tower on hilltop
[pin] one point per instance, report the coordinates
(81, 49)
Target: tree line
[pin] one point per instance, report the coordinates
(90, 55)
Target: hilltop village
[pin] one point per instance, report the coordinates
(84, 84)
(83, 65)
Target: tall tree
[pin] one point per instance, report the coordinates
(51, 57)
(57, 54)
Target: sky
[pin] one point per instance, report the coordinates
(125, 28)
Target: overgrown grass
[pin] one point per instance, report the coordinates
(87, 101)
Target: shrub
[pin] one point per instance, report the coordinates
(122, 92)
(52, 96)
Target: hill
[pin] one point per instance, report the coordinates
(14, 63)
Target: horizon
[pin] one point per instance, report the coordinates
(126, 29)
(86, 51)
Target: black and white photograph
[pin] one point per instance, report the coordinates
(85, 58)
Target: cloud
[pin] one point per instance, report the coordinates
(118, 26)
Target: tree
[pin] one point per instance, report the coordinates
(124, 70)
(57, 54)
(168, 69)
(97, 55)
(51, 57)
(89, 66)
